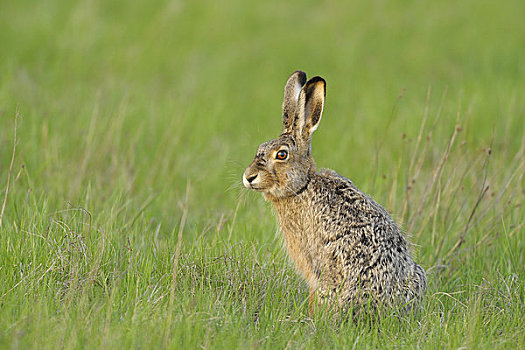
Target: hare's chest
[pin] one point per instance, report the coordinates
(299, 231)
(297, 223)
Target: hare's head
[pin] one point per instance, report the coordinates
(282, 167)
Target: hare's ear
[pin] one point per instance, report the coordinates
(291, 94)
(310, 109)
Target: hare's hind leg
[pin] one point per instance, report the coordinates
(311, 302)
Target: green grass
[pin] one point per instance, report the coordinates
(126, 224)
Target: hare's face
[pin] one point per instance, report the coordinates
(279, 169)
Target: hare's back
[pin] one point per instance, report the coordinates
(353, 218)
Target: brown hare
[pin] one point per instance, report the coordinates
(347, 247)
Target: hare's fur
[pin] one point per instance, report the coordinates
(346, 246)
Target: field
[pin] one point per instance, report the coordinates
(125, 128)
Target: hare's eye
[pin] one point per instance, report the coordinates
(281, 155)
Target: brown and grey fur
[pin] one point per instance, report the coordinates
(347, 247)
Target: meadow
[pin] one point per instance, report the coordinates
(125, 128)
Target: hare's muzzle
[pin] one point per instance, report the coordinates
(250, 179)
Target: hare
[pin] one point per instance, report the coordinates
(346, 246)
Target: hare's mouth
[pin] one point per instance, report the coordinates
(258, 189)
(252, 186)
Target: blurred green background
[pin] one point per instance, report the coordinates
(122, 103)
(159, 92)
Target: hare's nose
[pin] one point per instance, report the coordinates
(251, 178)
(247, 179)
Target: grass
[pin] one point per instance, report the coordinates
(125, 221)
